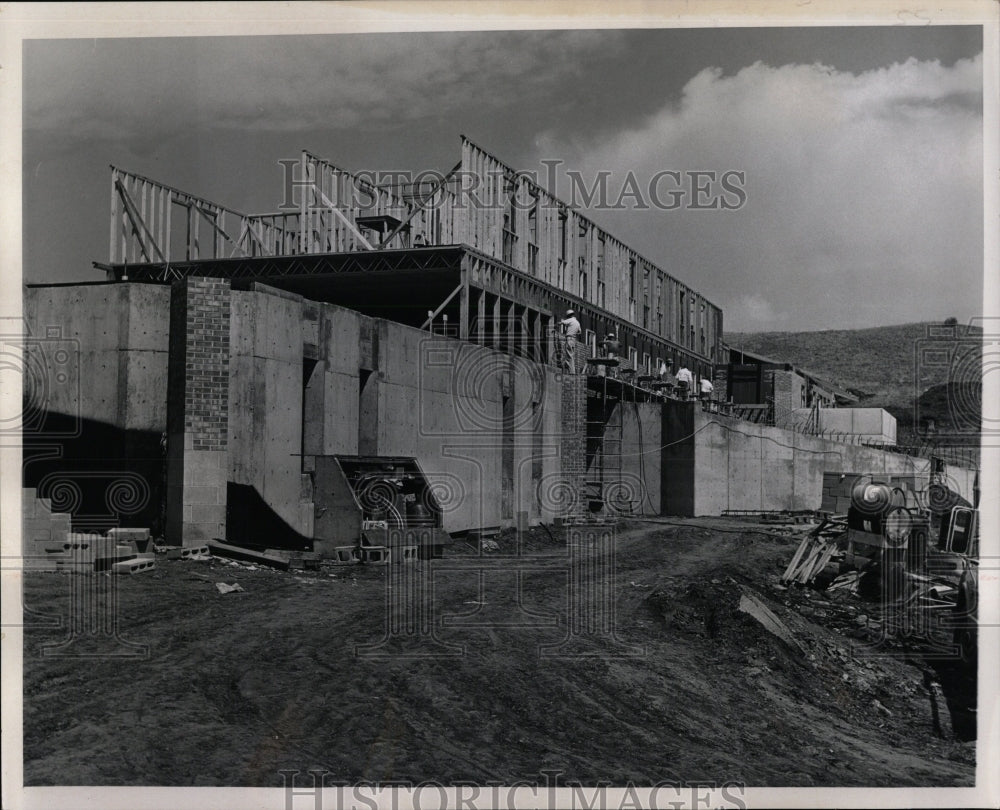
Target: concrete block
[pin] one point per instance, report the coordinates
(374, 538)
(376, 555)
(68, 548)
(121, 535)
(108, 562)
(134, 566)
(37, 530)
(186, 552)
(347, 555)
(32, 506)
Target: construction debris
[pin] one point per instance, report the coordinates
(754, 607)
(223, 588)
(815, 551)
(220, 549)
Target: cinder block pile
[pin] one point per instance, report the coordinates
(48, 543)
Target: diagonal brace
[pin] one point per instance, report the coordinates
(445, 303)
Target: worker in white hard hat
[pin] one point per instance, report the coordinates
(571, 331)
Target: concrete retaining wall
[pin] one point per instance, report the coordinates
(117, 337)
(265, 401)
(714, 462)
(870, 424)
(481, 424)
(96, 368)
(641, 455)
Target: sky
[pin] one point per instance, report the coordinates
(860, 147)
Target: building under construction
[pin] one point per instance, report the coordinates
(386, 353)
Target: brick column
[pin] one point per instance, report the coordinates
(198, 411)
(573, 443)
(783, 402)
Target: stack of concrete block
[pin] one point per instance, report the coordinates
(48, 543)
(41, 530)
(837, 492)
(141, 538)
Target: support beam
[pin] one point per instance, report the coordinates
(212, 220)
(385, 242)
(481, 318)
(463, 307)
(495, 316)
(343, 218)
(137, 224)
(440, 309)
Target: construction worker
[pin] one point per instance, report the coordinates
(668, 378)
(706, 390)
(612, 348)
(571, 330)
(684, 380)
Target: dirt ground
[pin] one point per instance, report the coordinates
(639, 668)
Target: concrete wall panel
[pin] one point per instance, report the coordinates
(641, 457)
(739, 465)
(265, 395)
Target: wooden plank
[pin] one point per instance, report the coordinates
(196, 232)
(304, 236)
(160, 205)
(220, 232)
(221, 549)
(793, 566)
(114, 218)
(168, 213)
(143, 213)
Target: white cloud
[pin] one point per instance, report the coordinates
(864, 191)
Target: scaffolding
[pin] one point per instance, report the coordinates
(611, 390)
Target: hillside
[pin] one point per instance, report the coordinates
(889, 366)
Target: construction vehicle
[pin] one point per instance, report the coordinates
(936, 585)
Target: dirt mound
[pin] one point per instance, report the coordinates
(793, 657)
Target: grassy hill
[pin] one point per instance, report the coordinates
(890, 367)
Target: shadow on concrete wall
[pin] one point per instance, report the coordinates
(102, 475)
(252, 523)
